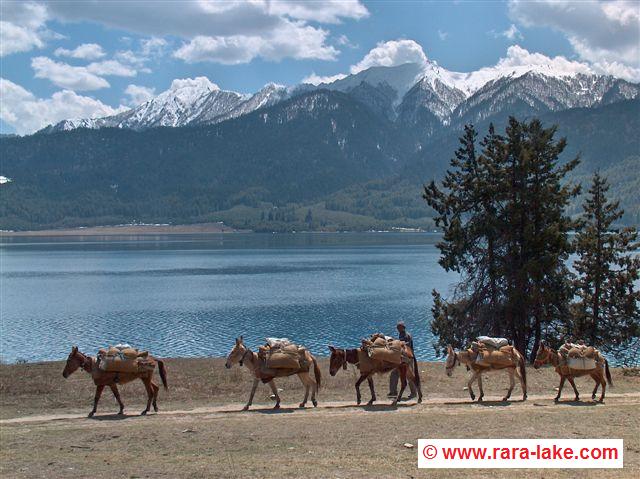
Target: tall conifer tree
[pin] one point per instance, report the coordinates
(506, 232)
(607, 312)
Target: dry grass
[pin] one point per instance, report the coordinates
(335, 441)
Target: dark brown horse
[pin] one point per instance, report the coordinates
(103, 378)
(547, 355)
(242, 355)
(368, 367)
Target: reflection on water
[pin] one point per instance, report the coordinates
(191, 295)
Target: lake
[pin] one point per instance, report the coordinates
(192, 295)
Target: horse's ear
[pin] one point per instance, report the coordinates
(241, 339)
(333, 350)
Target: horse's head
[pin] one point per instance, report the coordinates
(75, 360)
(452, 360)
(542, 356)
(338, 360)
(237, 354)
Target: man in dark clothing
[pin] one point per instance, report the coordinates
(403, 335)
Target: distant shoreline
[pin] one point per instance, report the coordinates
(200, 228)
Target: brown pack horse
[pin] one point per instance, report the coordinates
(242, 355)
(407, 369)
(107, 378)
(547, 355)
(467, 357)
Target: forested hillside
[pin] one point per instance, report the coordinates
(321, 160)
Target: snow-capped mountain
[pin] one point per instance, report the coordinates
(187, 102)
(424, 95)
(534, 92)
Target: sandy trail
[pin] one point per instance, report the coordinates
(335, 408)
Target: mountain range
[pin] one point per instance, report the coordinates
(415, 93)
(350, 154)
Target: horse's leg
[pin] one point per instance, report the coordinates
(562, 379)
(306, 380)
(156, 389)
(253, 391)
(372, 389)
(596, 378)
(471, 380)
(116, 394)
(314, 391)
(512, 383)
(412, 382)
(274, 390)
(96, 399)
(403, 383)
(523, 386)
(358, 382)
(575, 389)
(147, 386)
(603, 381)
(480, 387)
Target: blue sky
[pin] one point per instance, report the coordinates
(69, 59)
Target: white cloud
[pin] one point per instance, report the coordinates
(229, 32)
(86, 51)
(26, 113)
(314, 79)
(511, 33)
(520, 57)
(293, 40)
(328, 11)
(153, 46)
(442, 35)
(391, 53)
(22, 27)
(603, 33)
(138, 94)
(67, 76)
(111, 67)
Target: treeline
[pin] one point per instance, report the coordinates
(502, 207)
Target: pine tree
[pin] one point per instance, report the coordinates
(607, 312)
(506, 231)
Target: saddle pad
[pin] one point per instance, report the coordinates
(581, 363)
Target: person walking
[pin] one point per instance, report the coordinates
(403, 335)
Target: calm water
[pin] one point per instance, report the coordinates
(191, 295)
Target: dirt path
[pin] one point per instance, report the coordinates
(341, 408)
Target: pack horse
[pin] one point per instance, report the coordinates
(118, 369)
(279, 358)
(489, 355)
(378, 355)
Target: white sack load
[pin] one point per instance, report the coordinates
(495, 343)
(277, 342)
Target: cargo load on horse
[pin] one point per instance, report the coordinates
(280, 353)
(122, 358)
(492, 351)
(384, 348)
(495, 343)
(579, 356)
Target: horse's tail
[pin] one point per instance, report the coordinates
(416, 371)
(607, 372)
(523, 369)
(163, 372)
(316, 372)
